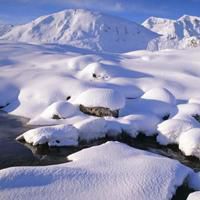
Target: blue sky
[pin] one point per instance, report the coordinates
(21, 11)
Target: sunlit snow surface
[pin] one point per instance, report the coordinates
(36, 80)
(109, 171)
(40, 81)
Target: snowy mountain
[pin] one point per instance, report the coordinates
(84, 29)
(181, 33)
(4, 28)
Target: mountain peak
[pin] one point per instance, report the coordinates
(84, 29)
(188, 17)
(181, 33)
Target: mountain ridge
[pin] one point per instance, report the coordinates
(84, 29)
(181, 33)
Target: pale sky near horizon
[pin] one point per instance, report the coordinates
(22, 11)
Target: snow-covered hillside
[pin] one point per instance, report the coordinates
(181, 33)
(84, 29)
(5, 28)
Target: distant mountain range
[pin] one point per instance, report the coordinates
(181, 33)
(84, 29)
(99, 32)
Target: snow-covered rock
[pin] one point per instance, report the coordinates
(113, 126)
(160, 94)
(91, 128)
(194, 196)
(181, 33)
(59, 135)
(84, 29)
(170, 130)
(60, 109)
(191, 109)
(140, 123)
(189, 142)
(101, 97)
(110, 171)
(155, 107)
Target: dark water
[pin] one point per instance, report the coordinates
(14, 153)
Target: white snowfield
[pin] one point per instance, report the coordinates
(47, 82)
(110, 171)
(83, 29)
(36, 80)
(181, 33)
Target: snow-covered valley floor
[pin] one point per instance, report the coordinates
(157, 94)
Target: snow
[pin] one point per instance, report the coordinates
(191, 109)
(139, 123)
(160, 94)
(62, 109)
(60, 135)
(189, 142)
(194, 196)
(91, 128)
(170, 130)
(181, 33)
(155, 107)
(101, 97)
(194, 100)
(56, 79)
(83, 29)
(109, 171)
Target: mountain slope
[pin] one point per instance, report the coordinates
(4, 28)
(84, 29)
(181, 33)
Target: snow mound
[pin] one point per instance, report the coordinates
(99, 71)
(160, 94)
(194, 196)
(181, 33)
(61, 109)
(113, 126)
(191, 109)
(170, 130)
(83, 29)
(91, 128)
(101, 97)
(189, 142)
(194, 100)
(109, 171)
(155, 107)
(139, 123)
(60, 135)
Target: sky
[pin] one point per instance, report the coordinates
(22, 11)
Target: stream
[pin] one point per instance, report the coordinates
(14, 153)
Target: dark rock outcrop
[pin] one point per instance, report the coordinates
(99, 111)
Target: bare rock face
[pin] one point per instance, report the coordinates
(99, 111)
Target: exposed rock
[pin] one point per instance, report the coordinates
(99, 111)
